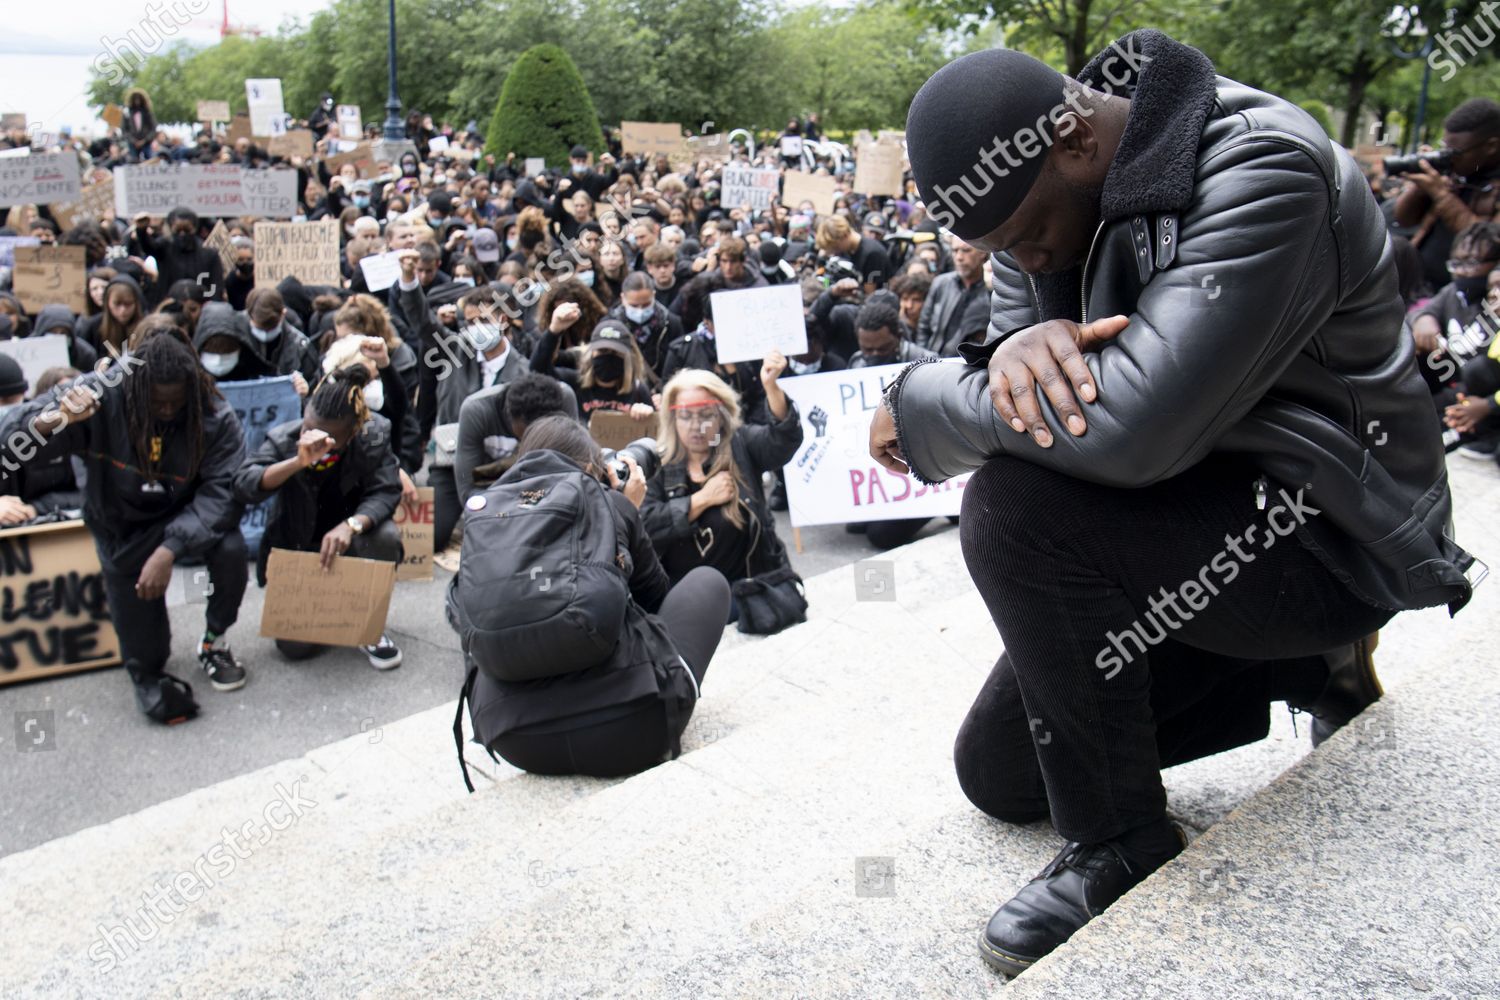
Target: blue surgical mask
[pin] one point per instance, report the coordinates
(483, 337)
(219, 365)
(265, 336)
(464, 281)
(587, 277)
(641, 315)
(580, 168)
(435, 221)
(361, 201)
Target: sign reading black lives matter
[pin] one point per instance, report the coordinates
(753, 186)
(54, 618)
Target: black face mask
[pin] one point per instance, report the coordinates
(608, 366)
(1472, 287)
(244, 268)
(184, 242)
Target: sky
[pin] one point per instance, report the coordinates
(45, 59)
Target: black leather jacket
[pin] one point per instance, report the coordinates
(1259, 282)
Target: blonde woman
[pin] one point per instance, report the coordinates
(706, 506)
(384, 394)
(365, 316)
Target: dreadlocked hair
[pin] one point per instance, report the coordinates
(167, 359)
(340, 395)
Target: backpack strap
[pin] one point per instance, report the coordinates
(464, 695)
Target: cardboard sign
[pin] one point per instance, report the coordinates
(13, 121)
(651, 138)
(613, 429)
(98, 199)
(219, 241)
(798, 187)
(360, 156)
(351, 121)
(752, 322)
(56, 617)
(381, 270)
(39, 179)
(535, 166)
(715, 148)
(877, 169)
(308, 251)
(213, 111)
(264, 97)
(260, 404)
(36, 354)
(292, 142)
(832, 479)
(113, 115)
(345, 606)
(746, 185)
(239, 128)
(416, 522)
(44, 275)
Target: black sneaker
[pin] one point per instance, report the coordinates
(224, 671)
(383, 655)
(1352, 687)
(162, 697)
(1078, 885)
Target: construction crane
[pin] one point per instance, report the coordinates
(226, 29)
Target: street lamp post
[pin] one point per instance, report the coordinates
(395, 129)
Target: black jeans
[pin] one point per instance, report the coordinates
(383, 542)
(693, 613)
(1099, 687)
(143, 626)
(445, 505)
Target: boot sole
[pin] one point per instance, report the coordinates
(231, 686)
(1001, 961)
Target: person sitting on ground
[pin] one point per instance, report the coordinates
(493, 421)
(159, 448)
(650, 323)
(59, 320)
(338, 483)
(706, 505)
(384, 395)
(877, 328)
(1474, 409)
(611, 375)
(1453, 328)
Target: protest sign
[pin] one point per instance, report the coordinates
(716, 148)
(113, 115)
(213, 111)
(535, 166)
(416, 520)
(270, 193)
(239, 128)
(877, 169)
(345, 606)
(799, 187)
(219, 241)
(13, 121)
(264, 97)
(98, 199)
(651, 138)
(381, 270)
(832, 479)
(44, 275)
(351, 121)
(261, 404)
(437, 144)
(36, 354)
(308, 251)
(211, 190)
(746, 185)
(8, 246)
(613, 429)
(750, 323)
(55, 614)
(292, 142)
(39, 179)
(791, 147)
(15, 152)
(360, 156)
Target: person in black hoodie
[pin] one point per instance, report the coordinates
(581, 723)
(651, 324)
(182, 256)
(36, 489)
(59, 319)
(160, 447)
(337, 478)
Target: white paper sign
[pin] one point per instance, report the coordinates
(36, 354)
(752, 322)
(381, 270)
(214, 190)
(791, 146)
(264, 97)
(755, 186)
(832, 479)
(270, 194)
(535, 166)
(437, 143)
(351, 122)
(39, 179)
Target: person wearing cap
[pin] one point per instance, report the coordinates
(485, 246)
(876, 227)
(596, 182)
(611, 374)
(1195, 338)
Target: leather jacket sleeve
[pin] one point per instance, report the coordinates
(1189, 365)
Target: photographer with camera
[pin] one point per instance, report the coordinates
(1452, 189)
(544, 694)
(871, 263)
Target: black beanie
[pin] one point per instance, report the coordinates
(12, 381)
(985, 101)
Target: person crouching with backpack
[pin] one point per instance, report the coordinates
(582, 657)
(339, 482)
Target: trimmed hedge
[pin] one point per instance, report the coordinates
(544, 109)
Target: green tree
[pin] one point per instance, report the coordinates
(544, 109)
(1077, 30)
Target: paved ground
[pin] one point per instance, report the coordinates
(110, 761)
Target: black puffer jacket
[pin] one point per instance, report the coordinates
(1259, 282)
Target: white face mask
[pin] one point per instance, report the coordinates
(587, 277)
(375, 395)
(220, 364)
(640, 315)
(265, 336)
(483, 337)
(803, 367)
(464, 281)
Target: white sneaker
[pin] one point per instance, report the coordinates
(383, 655)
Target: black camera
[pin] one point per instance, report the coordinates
(1441, 161)
(643, 450)
(834, 269)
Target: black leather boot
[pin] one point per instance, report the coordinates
(1352, 687)
(1076, 886)
(162, 697)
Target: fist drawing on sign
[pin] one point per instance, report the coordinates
(819, 419)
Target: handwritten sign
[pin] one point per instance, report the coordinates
(752, 322)
(270, 193)
(381, 270)
(346, 606)
(832, 479)
(260, 404)
(39, 179)
(13, 121)
(214, 189)
(438, 144)
(360, 156)
(292, 142)
(791, 147)
(351, 121)
(877, 168)
(239, 128)
(113, 115)
(746, 185)
(612, 429)
(54, 615)
(416, 520)
(651, 138)
(36, 354)
(213, 111)
(716, 148)
(799, 188)
(221, 243)
(44, 275)
(264, 97)
(307, 251)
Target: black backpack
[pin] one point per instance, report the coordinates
(540, 591)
